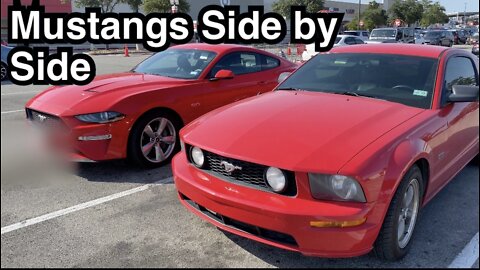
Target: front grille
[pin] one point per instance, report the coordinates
(246, 173)
(43, 119)
(274, 236)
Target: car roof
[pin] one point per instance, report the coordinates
(347, 36)
(218, 48)
(394, 48)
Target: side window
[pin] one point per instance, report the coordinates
(459, 71)
(359, 41)
(349, 41)
(269, 62)
(239, 63)
(365, 34)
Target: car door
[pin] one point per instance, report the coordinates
(460, 131)
(247, 81)
(444, 39)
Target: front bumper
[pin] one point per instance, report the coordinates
(275, 219)
(85, 142)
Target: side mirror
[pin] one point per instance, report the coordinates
(464, 93)
(223, 74)
(283, 76)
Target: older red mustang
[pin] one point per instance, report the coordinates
(138, 114)
(340, 158)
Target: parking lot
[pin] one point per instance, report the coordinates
(114, 215)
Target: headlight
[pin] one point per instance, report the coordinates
(197, 156)
(335, 187)
(276, 179)
(101, 117)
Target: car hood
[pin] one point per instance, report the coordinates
(299, 131)
(102, 92)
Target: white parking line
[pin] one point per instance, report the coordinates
(20, 93)
(14, 111)
(79, 207)
(468, 256)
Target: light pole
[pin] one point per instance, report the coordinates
(465, 14)
(359, 5)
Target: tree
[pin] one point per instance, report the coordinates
(283, 6)
(133, 4)
(105, 5)
(353, 25)
(164, 6)
(409, 11)
(374, 16)
(433, 13)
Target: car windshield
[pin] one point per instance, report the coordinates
(177, 63)
(390, 33)
(408, 80)
(433, 34)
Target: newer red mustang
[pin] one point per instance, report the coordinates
(137, 114)
(339, 159)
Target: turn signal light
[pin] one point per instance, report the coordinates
(337, 224)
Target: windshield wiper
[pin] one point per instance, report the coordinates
(290, 88)
(355, 94)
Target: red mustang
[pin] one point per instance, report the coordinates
(338, 160)
(138, 114)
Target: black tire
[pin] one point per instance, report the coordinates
(135, 154)
(386, 246)
(4, 71)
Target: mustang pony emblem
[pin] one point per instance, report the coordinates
(41, 117)
(229, 167)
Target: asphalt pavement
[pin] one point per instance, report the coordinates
(111, 214)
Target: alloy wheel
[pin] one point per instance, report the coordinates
(3, 72)
(158, 139)
(408, 213)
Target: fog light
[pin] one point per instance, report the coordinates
(276, 179)
(197, 156)
(337, 224)
(95, 138)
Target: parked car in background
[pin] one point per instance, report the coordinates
(340, 40)
(473, 39)
(4, 64)
(363, 35)
(4, 43)
(475, 49)
(439, 37)
(459, 36)
(137, 114)
(348, 150)
(392, 35)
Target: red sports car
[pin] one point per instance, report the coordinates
(338, 160)
(137, 114)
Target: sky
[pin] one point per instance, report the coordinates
(450, 5)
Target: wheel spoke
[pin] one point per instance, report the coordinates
(146, 149)
(408, 198)
(168, 139)
(159, 155)
(161, 127)
(149, 131)
(401, 228)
